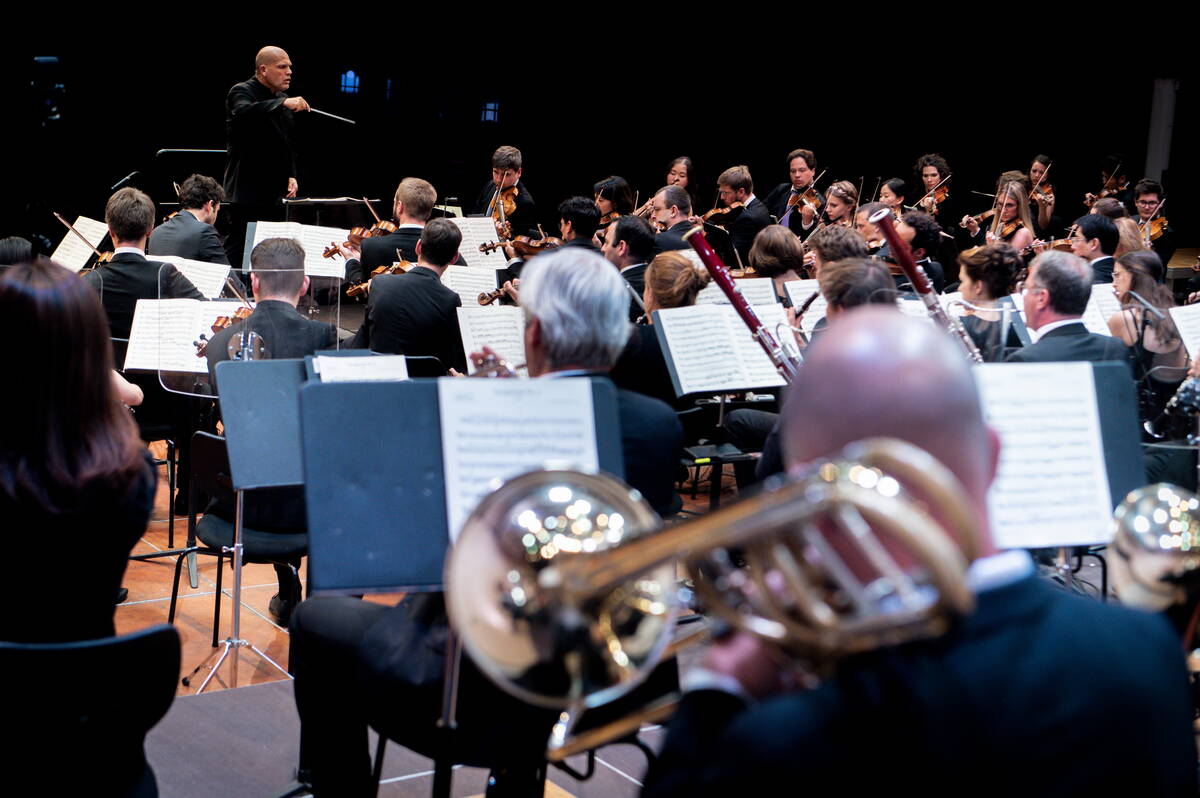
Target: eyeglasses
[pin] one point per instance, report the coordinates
(1147, 203)
(1025, 286)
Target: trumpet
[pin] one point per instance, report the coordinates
(561, 585)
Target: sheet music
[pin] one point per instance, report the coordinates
(164, 332)
(502, 328)
(1102, 304)
(756, 290)
(1187, 321)
(475, 231)
(370, 368)
(798, 292)
(1052, 487)
(209, 278)
(493, 430)
(73, 253)
(314, 239)
(712, 349)
(469, 282)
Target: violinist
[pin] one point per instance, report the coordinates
(1148, 196)
(614, 198)
(1041, 195)
(735, 185)
(414, 313)
(578, 219)
(802, 165)
(932, 171)
(411, 207)
(1114, 182)
(681, 173)
(516, 201)
(862, 223)
(673, 212)
(893, 194)
(1011, 223)
(629, 245)
(840, 204)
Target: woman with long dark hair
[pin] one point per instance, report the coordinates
(75, 478)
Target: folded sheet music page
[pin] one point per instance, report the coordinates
(373, 368)
(1052, 486)
(475, 231)
(712, 350)
(314, 239)
(502, 328)
(493, 430)
(164, 333)
(1100, 307)
(469, 282)
(209, 278)
(73, 253)
(757, 290)
(1187, 321)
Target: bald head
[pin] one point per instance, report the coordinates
(881, 373)
(269, 55)
(273, 68)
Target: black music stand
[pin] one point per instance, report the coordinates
(262, 431)
(378, 521)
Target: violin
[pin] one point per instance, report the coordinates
(1037, 247)
(1041, 195)
(380, 227)
(488, 297)
(645, 211)
(220, 323)
(609, 218)
(524, 246)
(1009, 229)
(719, 216)
(934, 197)
(399, 267)
(1153, 229)
(1090, 199)
(980, 218)
(504, 204)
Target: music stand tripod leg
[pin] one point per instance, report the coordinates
(234, 642)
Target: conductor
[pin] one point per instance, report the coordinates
(258, 129)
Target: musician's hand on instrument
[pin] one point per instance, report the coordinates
(971, 225)
(1193, 298)
(749, 660)
(695, 220)
(1038, 246)
(509, 252)
(1194, 369)
(296, 104)
(511, 289)
(484, 356)
(293, 187)
(989, 237)
(807, 213)
(349, 251)
(456, 373)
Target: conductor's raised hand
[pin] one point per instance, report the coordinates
(296, 104)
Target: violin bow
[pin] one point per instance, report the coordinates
(76, 232)
(371, 208)
(929, 193)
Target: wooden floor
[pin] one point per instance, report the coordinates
(149, 585)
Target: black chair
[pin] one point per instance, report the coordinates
(79, 713)
(210, 476)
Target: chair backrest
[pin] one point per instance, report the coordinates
(79, 712)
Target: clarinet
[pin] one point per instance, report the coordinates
(787, 365)
(920, 283)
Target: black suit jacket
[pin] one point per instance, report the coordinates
(985, 705)
(524, 219)
(745, 227)
(258, 133)
(413, 314)
(1072, 342)
(1102, 270)
(635, 277)
(642, 368)
(188, 237)
(671, 239)
(127, 278)
(381, 251)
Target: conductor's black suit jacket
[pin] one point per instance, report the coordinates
(984, 707)
(258, 132)
(188, 237)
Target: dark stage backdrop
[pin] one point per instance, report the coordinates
(110, 115)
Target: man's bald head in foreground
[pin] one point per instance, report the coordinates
(877, 373)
